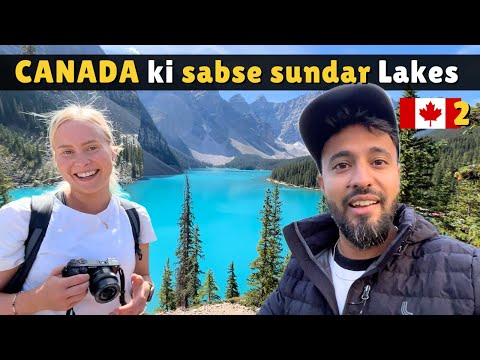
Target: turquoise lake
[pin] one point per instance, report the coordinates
(226, 204)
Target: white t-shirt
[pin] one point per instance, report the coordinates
(72, 234)
(342, 281)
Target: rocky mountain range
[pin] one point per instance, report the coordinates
(211, 129)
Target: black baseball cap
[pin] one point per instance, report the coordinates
(363, 101)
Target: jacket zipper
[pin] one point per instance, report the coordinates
(366, 289)
(363, 298)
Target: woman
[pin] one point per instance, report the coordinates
(87, 222)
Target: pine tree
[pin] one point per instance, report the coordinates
(258, 278)
(322, 205)
(184, 249)
(459, 148)
(275, 239)
(167, 293)
(462, 219)
(209, 291)
(474, 118)
(194, 282)
(418, 156)
(5, 186)
(443, 191)
(286, 260)
(407, 157)
(268, 266)
(232, 286)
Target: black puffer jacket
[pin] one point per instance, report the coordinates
(421, 272)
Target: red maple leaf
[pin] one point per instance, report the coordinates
(430, 113)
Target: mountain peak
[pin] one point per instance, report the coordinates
(261, 98)
(237, 98)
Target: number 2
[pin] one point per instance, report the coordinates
(464, 108)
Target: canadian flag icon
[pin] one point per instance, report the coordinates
(428, 113)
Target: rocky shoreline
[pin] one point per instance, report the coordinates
(225, 308)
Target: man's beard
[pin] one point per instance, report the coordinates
(364, 234)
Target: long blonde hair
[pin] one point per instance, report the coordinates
(86, 113)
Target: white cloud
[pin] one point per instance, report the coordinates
(133, 51)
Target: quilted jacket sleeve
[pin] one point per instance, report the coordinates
(476, 280)
(274, 304)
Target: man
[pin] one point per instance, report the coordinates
(370, 254)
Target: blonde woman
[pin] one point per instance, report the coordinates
(87, 222)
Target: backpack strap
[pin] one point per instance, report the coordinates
(41, 211)
(134, 222)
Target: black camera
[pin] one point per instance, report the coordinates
(103, 280)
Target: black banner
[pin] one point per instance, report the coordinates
(237, 72)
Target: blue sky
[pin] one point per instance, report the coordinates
(472, 97)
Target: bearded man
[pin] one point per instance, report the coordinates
(369, 254)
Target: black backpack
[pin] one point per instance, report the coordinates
(41, 211)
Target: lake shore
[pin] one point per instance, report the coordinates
(291, 185)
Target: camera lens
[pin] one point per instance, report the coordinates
(108, 293)
(104, 285)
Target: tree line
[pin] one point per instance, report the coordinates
(27, 149)
(255, 162)
(302, 172)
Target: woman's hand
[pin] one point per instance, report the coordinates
(139, 298)
(62, 293)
